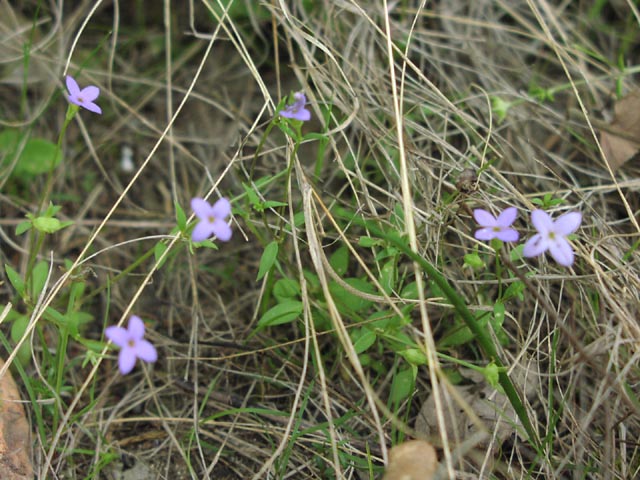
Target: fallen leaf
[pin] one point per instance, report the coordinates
(492, 408)
(15, 442)
(412, 460)
(620, 140)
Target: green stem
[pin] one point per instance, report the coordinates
(482, 335)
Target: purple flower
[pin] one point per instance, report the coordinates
(132, 344)
(297, 110)
(493, 227)
(552, 236)
(212, 219)
(83, 98)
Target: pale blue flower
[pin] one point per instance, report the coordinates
(83, 98)
(297, 109)
(552, 236)
(132, 344)
(499, 227)
(212, 219)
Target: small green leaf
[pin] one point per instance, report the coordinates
(23, 227)
(410, 291)
(516, 253)
(39, 278)
(253, 197)
(49, 225)
(500, 108)
(491, 373)
(402, 385)
(498, 316)
(181, 218)
(389, 275)
(365, 338)
(273, 203)
(18, 329)
(158, 250)
(269, 257)
(285, 312)
(37, 157)
(285, 289)
(474, 261)
(15, 279)
(339, 260)
(414, 356)
(314, 136)
(347, 300)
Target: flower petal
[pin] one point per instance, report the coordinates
(126, 360)
(507, 217)
(204, 229)
(535, 246)
(146, 351)
(299, 100)
(201, 208)
(118, 335)
(508, 235)
(485, 234)
(221, 230)
(484, 218)
(92, 107)
(303, 115)
(136, 328)
(541, 221)
(90, 93)
(72, 86)
(567, 223)
(287, 113)
(561, 251)
(221, 209)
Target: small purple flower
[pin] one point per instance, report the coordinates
(493, 227)
(212, 219)
(132, 344)
(552, 236)
(297, 110)
(83, 98)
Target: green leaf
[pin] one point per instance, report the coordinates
(18, 329)
(474, 261)
(273, 203)
(253, 197)
(158, 250)
(500, 108)
(23, 227)
(491, 373)
(285, 289)
(363, 339)
(414, 356)
(39, 278)
(314, 136)
(339, 260)
(9, 141)
(516, 289)
(15, 279)
(402, 385)
(350, 301)
(269, 257)
(49, 225)
(285, 312)
(181, 218)
(389, 275)
(37, 157)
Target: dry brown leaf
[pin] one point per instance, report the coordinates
(15, 443)
(412, 460)
(621, 139)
